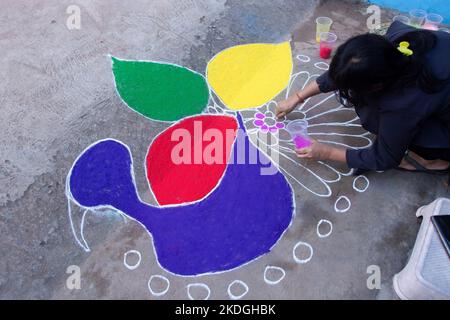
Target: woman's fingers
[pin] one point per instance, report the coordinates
(303, 151)
(280, 114)
(283, 108)
(280, 111)
(304, 155)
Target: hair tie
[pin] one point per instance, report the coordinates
(403, 47)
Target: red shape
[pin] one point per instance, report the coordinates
(176, 183)
(325, 52)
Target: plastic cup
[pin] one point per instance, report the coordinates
(402, 19)
(298, 129)
(327, 43)
(323, 24)
(432, 21)
(417, 17)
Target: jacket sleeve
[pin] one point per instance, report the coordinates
(325, 83)
(397, 29)
(396, 130)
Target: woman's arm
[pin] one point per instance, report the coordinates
(396, 130)
(286, 106)
(321, 151)
(322, 84)
(395, 133)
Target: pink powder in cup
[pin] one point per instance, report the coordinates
(432, 21)
(301, 142)
(298, 129)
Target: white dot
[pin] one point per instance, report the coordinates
(342, 208)
(274, 282)
(136, 264)
(161, 292)
(322, 66)
(324, 235)
(235, 283)
(303, 58)
(198, 285)
(294, 254)
(366, 185)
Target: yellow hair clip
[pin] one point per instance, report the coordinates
(404, 48)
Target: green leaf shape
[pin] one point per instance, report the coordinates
(160, 91)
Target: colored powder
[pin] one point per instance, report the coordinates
(301, 142)
(438, 6)
(325, 52)
(430, 26)
(241, 220)
(160, 91)
(250, 75)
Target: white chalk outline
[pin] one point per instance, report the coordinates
(303, 58)
(158, 294)
(163, 63)
(319, 65)
(242, 45)
(137, 264)
(274, 282)
(277, 147)
(175, 123)
(305, 244)
(221, 112)
(329, 193)
(344, 209)
(363, 189)
(102, 206)
(235, 297)
(254, 136)
(198, 284)
(324, 235)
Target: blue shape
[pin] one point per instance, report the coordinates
(441, 7)
(238, 222)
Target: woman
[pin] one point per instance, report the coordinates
(401, 94)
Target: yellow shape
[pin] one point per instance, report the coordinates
(403, 48)
(248, 76)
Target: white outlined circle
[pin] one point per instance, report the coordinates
(302, 261)
(134, 266)
(322, 66)
(236, 282)
(160, 293)
(200, 285)
(303, 58)
(361, 189)
(274, 282)
(324, 235)
(344, 209)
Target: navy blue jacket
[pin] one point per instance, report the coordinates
(404, 117)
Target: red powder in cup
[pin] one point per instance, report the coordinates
(325, 52)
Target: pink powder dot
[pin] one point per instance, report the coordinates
(264, 128)
(259, 115)
(273, 129)
(280, 125)
(258, 123)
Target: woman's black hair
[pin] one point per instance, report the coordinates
(370, 64)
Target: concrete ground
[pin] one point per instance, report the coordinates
(57, 97)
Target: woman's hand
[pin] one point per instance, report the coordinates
(286, 106)
(317, 151)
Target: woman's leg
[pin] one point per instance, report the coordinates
(430, 158)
